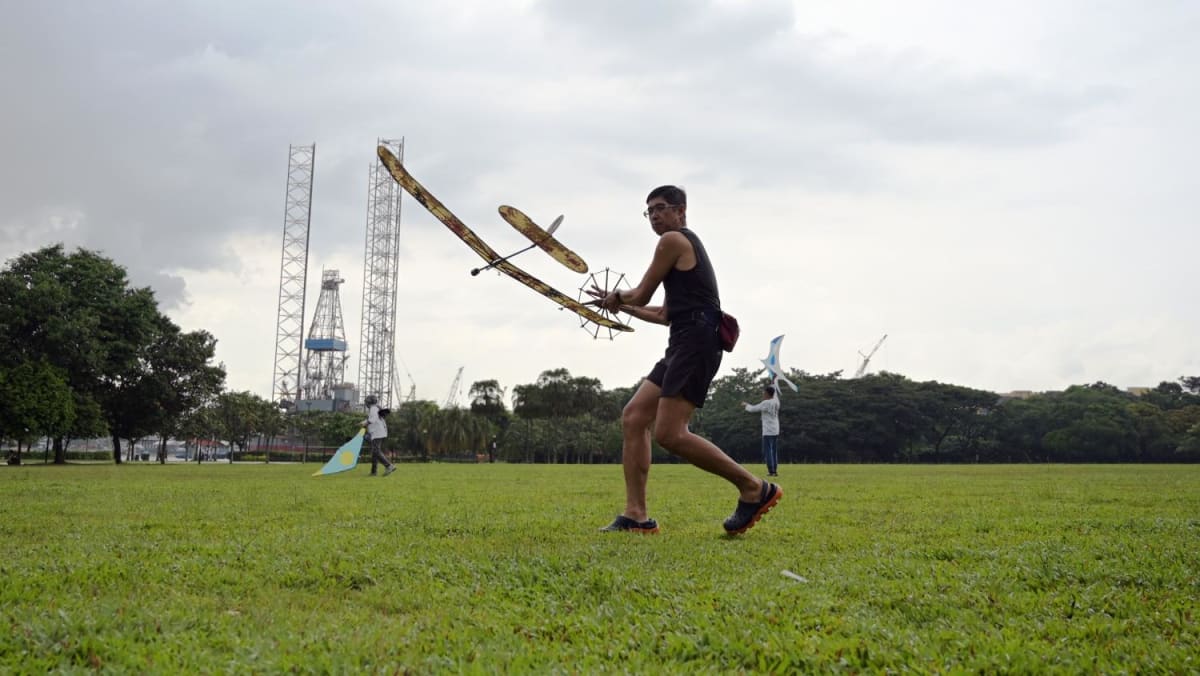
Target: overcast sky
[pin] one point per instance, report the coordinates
(1007, 190)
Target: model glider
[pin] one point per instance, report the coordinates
(489, 255)
(344, 458)
(774, 369)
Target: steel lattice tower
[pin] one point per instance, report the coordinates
(380, 264)
(293, 274)
(325, 347)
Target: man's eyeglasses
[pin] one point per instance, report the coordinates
(659, 208)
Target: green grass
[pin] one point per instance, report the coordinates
(488, 568)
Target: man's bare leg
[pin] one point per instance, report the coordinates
(636, 421)
(671, 431)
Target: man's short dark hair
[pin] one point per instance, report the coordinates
(769, 390)
(672, 194)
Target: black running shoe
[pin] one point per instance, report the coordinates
(748, 513)
(628, 525)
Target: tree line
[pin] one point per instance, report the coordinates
(91, 356)
(881, 417)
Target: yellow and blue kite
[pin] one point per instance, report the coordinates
(344, 458)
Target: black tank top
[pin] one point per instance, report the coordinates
(689, 291)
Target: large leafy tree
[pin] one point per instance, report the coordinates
(952, 420)
(172, 376)
(335, 428)
(487, 399)
(198, 428)
(305, 424)
(557, 394)
(78, 313)
(1154, 438)
(184, 378)
(240, 416)
(815, 422)
(35, 401)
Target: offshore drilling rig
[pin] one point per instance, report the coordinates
(310, 372)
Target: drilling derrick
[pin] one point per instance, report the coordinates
(325, 362)
(293, 274)
(381, 263)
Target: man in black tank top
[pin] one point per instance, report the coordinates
(678, 383)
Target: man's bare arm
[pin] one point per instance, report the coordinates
(670, 247)
(655, 314)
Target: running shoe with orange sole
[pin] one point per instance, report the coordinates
(748, 513)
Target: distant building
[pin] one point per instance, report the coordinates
(1139, 391)
(1017, 394)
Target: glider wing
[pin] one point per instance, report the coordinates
(545, 240)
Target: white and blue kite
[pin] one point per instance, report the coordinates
(774, 369)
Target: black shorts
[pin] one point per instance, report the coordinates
(692, 359)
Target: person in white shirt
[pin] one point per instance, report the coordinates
(769, 408)
(377, 432)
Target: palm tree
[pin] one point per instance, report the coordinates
(456, 430)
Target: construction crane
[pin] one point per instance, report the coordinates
(862, 368)
(452, 398)
(412, 390)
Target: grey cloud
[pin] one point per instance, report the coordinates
(682, 31)
(744, 68)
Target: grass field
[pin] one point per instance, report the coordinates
(488, 568)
